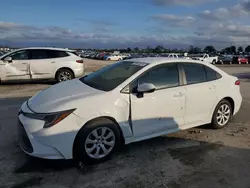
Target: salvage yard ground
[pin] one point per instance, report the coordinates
(195, 158)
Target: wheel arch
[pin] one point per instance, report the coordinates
(97, 120)
(67, 68)
(232, 103)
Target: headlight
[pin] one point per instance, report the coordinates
(51, 118)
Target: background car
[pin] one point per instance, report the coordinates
(225, 59)
(41, 63)
(240, 60)
(113, 57)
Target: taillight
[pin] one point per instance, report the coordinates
(79, 61)
(237, 82)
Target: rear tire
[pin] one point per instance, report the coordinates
(222, 115)
(64, 75)
(97, 141)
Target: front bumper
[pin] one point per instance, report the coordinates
(55, 142)
(31, 146)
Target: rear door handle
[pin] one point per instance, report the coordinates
(53, 62)
(24, 63)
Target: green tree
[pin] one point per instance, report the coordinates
(136, 49)
(240, 49)
(197, 50)
(159, 49)
(247, 49)
(129, 50)
(233, 49)
(209, 49)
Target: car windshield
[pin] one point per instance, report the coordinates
(113, 75)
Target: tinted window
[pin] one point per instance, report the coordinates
(113, 75)
(39, 54)
(162, 77)
(195, 73)
(211, 74)
(20, 55)
(57, 54)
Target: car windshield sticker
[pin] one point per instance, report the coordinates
(140, 64)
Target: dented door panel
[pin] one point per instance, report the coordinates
(16, 70)
(41, 69)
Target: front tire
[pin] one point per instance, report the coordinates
(222, 115)
(97, 141)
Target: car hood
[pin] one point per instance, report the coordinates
(62, 96)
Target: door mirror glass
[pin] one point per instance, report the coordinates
(9, 59)
(146, 88)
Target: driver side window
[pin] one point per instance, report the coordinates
(163, 76)
(20, 55)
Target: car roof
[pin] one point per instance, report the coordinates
(159, 60)
(47, 48)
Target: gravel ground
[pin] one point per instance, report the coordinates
(195, 158)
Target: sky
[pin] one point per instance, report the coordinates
(125, 23)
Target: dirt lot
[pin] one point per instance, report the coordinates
(194, 158)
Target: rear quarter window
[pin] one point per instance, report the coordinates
(211, 74)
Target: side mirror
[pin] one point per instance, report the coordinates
(146, 88)
(9, 59)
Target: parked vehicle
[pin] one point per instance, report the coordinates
(206, 58)
(41, 63)
(225, 59)
(173, 56)
(113, 57)
(240, 60)
(89, 118)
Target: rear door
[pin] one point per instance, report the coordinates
(17, 68)
(41, 64)
(200, 91)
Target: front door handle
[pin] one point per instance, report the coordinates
(24, 63)
(53, 62)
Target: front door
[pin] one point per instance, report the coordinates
(17, 68)
(162, 110)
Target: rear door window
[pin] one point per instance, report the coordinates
(195, 73)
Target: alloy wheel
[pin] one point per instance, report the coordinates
(223, 114)
(100, 142)
(64, 76)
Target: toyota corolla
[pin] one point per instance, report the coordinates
(132, 100)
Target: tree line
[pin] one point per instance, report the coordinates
(191, 49)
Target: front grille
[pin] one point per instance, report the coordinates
(24, 139)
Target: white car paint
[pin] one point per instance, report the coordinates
(161, 112)
(114, 57)
(207, 59)
(47, 68)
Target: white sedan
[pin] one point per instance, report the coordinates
(41, 63)
(89, 118)
(114, 57)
